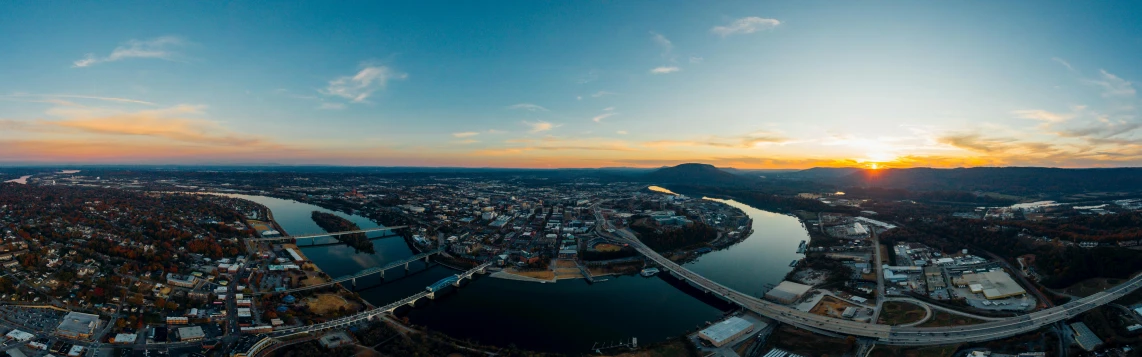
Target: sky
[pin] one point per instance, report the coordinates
(550, 84)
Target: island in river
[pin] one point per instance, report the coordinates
(333, 223)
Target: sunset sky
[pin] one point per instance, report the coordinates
(786, 84)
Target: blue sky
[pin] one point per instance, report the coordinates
(572, 84)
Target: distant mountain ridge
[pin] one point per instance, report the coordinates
(698, 174)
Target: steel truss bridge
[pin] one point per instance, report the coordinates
(361, 274)
(313, 236)
(375, 312)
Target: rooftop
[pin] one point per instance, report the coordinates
(726, 329)
(78, 323)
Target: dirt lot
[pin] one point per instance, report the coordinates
(326, 303)
(940, 319)
(831, 306)
(897, 313)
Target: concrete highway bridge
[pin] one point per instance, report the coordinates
(387, 309)
(311, 237)
(361, 274)
(893, 335)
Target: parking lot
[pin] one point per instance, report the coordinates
(34, 320)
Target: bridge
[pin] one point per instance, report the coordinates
(361, 274)
(373, 313)
(311, 237)
(891, 335)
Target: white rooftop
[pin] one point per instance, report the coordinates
(721, 331)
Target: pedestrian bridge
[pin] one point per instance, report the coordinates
(370, 314)
(311, 237)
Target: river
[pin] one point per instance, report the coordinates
(567, 316)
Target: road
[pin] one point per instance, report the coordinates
(892, 335)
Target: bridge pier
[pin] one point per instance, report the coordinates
(382, 275)
(406, 267)
(457, 282)
(431, 296)
(354, 283)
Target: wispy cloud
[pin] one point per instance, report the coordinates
(465, 134)
(696, 60)
(154, 48)
(621, 132)
(528, 107)
(664, 70)
(599, 118)
(751, 140)
(178, 123)
(539, 126)
(602, 93)
(662, 42)
(1113, 86)
(49, 97)
(331, 106)
(1043, 115)
(1063, 62)
(358, 87)
(745, 25)
(609, 109)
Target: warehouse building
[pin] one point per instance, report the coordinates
(787, 292)
(193, 333)
(726, 331)
(995, 284)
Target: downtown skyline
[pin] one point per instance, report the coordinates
(584, 84)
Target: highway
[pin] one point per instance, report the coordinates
(885, 334)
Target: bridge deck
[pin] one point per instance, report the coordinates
(899, 335)
(360, 274)
(307, 236)
(367, 314)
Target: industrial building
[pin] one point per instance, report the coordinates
(995, 284)
(726, 331)
(78, 325)
(1085, 337)
(787, 292)
(935, 278)
(193, 333)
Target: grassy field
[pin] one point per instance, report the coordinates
(1091, 286)
(326, 303)
(941, 319)
(898, 313)
(566, 269)
(830, 306)
(538, 274)
(606, 248)
(928, 351)
(260, 226)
